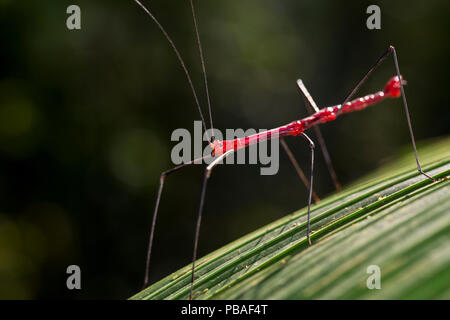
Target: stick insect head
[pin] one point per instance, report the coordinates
(217, 147)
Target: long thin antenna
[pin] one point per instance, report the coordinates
(202, 58)
(180, 59)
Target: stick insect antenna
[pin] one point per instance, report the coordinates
(202, 59)
(180, 59)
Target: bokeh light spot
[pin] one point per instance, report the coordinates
(135, 158)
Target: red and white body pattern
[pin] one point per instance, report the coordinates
(391, 90)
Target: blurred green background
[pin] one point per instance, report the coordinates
(86, 118)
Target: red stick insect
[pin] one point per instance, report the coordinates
(222, 149)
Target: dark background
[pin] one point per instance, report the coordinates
(86, 118)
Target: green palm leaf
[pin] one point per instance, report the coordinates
(394, 219)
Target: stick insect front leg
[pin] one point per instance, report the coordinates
(155, 212)
(206, 177)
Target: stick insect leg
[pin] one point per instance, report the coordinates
(311, 107)
(405, 104)
(390, 50)
(312, 146)
(155, 214)
(206, 177)
(297, 168)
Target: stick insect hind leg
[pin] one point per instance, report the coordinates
(312, 104)
(391, 50)
(405, 104)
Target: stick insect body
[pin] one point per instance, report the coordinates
(222, 149)
(391, 90)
